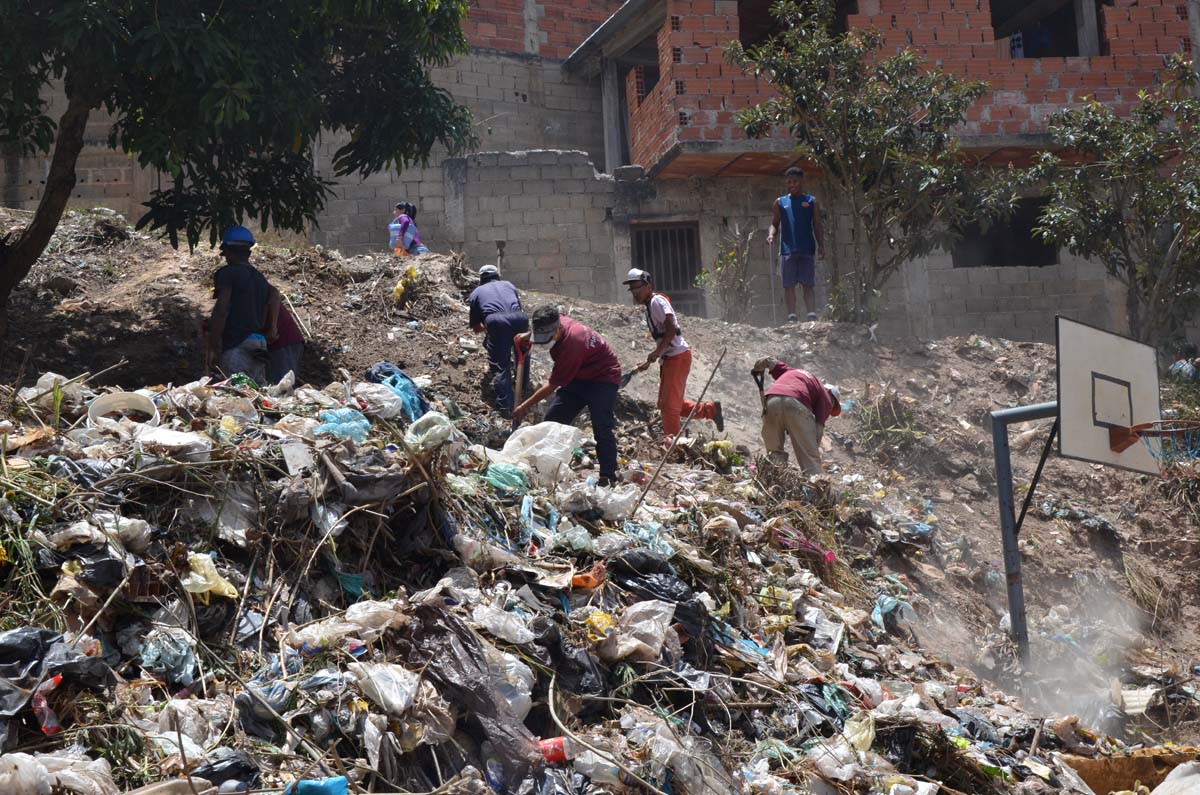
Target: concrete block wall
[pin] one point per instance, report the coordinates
(931, 298)
(105, 177)
(553, 212)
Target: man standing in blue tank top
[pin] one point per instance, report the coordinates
(801, 241)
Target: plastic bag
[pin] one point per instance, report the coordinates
(22, 774)
(202, 578)
(390, 686)
(415, 405)
(240, 408)
(30, 655)
(375, 618)
(514, 682)
(504, 625)
(168, 652)
(891, 614)
(859, 731)
(73, 395)
(640, 632)
(617, 504)
(338, 785)
(344, 424)
(234, 513)
(429, 432)
(179, 445)
(507, 479)
(381, 400)
(134, 534)
(545, 449)
(68, 772)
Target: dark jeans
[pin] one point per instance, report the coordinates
(501, 328)
(600, 399)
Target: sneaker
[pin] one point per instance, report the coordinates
(719, 419)
(606, 482)
(812, 315)
(792, 318)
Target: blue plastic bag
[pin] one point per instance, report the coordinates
(344, 424)
(329, 786)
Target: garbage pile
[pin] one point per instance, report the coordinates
(218, 588)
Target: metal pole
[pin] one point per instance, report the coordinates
(1008, 520)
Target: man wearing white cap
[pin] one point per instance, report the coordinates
(674, 354)
(496, 309)
(796, 406)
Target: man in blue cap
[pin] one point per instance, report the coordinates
(237, 329)
(495, 308)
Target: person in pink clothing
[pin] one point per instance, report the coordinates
(797, 406)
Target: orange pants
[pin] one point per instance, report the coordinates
(672, 383)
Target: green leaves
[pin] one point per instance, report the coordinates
(1124, 193)
(230, 98)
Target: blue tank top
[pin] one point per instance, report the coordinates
(796, 224)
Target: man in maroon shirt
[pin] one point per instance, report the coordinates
(797, 406)
(586, 374)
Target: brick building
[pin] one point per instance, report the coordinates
(608, 140)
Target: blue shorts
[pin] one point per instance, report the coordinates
(798, 269)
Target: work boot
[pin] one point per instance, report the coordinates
(812, 315)
(606, 482)
(719, 419)
(792, 318)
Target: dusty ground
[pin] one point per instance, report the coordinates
(1122, 575)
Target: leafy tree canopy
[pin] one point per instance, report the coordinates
(226, 98)
(1126, 191)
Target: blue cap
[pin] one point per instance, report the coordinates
(237, 237)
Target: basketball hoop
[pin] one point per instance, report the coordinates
(1169, 441)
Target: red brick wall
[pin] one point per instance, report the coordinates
(956, 35)
(562, 25)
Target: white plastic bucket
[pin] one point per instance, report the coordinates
(122, 401)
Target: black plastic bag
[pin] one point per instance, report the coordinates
(639, 561)
(450, 654)
(30, 655)
(230, 765)
(689, 611)
(976, 726)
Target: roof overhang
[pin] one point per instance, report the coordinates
(618, 35)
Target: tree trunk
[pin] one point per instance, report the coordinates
(19, 253)
(1193, 13)
(1133, 312)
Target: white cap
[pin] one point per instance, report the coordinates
(637, 275)
(489, 270)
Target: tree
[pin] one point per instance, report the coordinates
(879, 128)
(730, 274)
(1127, 193)
(226, 99)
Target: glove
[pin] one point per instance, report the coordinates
(764, 365)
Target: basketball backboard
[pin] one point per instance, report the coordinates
(1105, 381)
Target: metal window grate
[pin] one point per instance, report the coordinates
(671, 252)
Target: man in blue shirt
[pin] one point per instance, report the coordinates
(496, 310)
(801, 241)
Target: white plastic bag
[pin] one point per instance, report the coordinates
(545, 450)
(134, 534)
(513, 681)
(391, 687)
(617, 504)
(22, 774)
(180, 445)
(375, 618)
(239, 408)
(73, 395)
(381, 400)
(234, 514)
(503, 624)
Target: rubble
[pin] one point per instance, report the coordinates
(334, 590)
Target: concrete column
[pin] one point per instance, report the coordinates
(1087, 28)
(610, 103)
(454, 180)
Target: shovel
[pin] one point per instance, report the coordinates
(522, 356)
(760, 379)
(628, 376)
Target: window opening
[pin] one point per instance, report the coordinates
(1006, 244)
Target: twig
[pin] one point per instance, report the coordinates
(104, 606)
(304, 327)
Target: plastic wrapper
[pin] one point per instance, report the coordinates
(515, 682)
(134, 534)
(233, 513)
(545, 450)
(502, 624)
(179, 445)
(240, 408)
(344, 424)
(202, 578)
(859, 731)
(42, 396)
